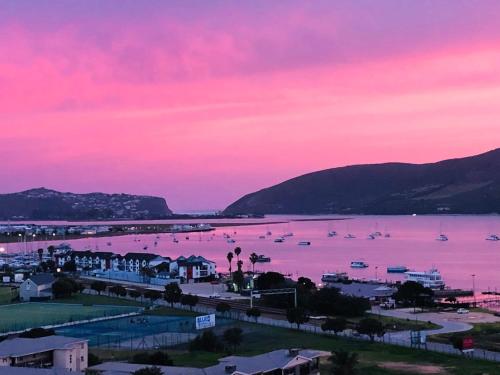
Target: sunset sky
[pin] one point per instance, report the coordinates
(203, 101)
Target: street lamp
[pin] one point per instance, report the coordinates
(474, 288)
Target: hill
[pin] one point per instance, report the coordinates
(469, 185)
(45, 204)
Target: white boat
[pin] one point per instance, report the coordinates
(289, 234)
(279, 240)
(492, 237)
(349, 236)
(429, 279)
(263, 259)
(332, 233)
(231, 240)
(442, 237)
(304, 243)
(333, 277)
(359, 264)
(397, 269)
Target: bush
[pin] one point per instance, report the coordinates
(336, 325)
(207, 341)
(93, 360)
(37, 332)
(233, 337)
(158, 358)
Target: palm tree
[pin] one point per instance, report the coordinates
(344, 363)
(230, 257)
(51, 249)
(253, 259)
(237, 252)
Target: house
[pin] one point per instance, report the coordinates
(37, 286)
(101, 260)
(278, 362)
(134, 262)
(57, 352)
(374, 291)
(195, 268)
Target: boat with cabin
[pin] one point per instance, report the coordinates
(397, 269)
(429, 279)
(359, 264)
(304, 243)
(334, 277)
(263, 259)
(492, 237)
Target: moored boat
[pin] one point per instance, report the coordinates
(397, 269)
(359, 264)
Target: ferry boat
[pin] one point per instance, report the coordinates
(304, 243)
(492, 237)
(349, 236)
(359, 264)
(263, 259)
(279, 240)
(333, 277)
(429, 279)
(442, 237)
(397, 269)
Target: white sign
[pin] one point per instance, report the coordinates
(205, 321)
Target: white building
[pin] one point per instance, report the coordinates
(57, 352)
(36, 286)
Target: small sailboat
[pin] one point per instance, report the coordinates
(279, 240)
(492, 237)
(332, 233)
(349, 236)
(442, 237)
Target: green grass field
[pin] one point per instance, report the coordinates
(21, 316)
(7, 294)
(486, 336)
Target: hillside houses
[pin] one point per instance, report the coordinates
(192, 268)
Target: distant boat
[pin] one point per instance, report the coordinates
(332, 233)
(371, 236)
(263, 259)
(175, 240)
(397, 269)
(289, 234)
(492, 237)
(279, 240)
(359, 264)
(262, 237)
(442, 237)
(333, 277)
(269, 233)
(145, 247)
(231, 240)
(377, 234)
(304, 243)
(349, 236)
(387, 235)
(109, 244)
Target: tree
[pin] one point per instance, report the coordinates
(230, 257)
(69, 266)
(51, 249)
(223, 307)
(297, 315)
(64, 287)
(336, 325)
(254, 312)
(98, 286)
(207, 341)
(93, 360)
(148, 371)
(37, 332)
(237, 251)
(413, 294)
(253, 259)
(189, 300)
(371, 327)
(173, 293)
(329, 301)
(270, 280)
(238, 278)
(134, 294)
(40, 254)
(118, 290)
(233, 337)
(344, 363)
(152, 295)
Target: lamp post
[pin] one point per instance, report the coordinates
(474, 288)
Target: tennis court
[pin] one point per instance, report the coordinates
(122, 331)
(16, 317)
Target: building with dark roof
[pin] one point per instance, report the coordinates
(37, 286)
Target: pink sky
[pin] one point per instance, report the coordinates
(202, 102)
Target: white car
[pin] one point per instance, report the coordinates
(462, 311)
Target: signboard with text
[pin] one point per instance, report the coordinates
(205, 321)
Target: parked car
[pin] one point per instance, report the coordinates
(462, 311)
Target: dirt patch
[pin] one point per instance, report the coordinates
(414, 368)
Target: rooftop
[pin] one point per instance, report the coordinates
(23, 346)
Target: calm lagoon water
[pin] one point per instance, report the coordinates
(412, 243)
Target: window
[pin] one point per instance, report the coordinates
(70, 358)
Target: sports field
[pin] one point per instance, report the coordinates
(21, 316)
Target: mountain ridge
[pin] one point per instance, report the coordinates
(47, 204)
(459, 185)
